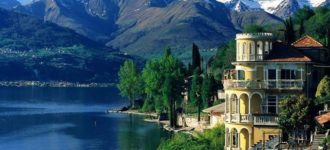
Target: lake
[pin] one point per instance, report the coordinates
(71, 119)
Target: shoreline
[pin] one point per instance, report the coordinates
(165, 124)
(54, 84)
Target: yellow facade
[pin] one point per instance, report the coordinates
(253, 92)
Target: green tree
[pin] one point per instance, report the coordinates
(323, 90)
(289, 32)
(130, 83)
(159, 92)
(222, 60)
(295, 113)
(212, 139)
(173, 84)
(206, 91)
(196, 58)
(253, 28)
(195, 91)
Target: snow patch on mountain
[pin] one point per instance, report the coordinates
(269, 6)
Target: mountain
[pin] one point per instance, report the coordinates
(280, 8)
(33, 49)
(146, 27)
(9, 4)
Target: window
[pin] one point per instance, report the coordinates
(288, 74)
(266, 47)
(271, 104)
(240, 75)
(271, 74)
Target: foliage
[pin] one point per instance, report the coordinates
(289, 32)
(206, 91)
(210, 139)
(295, 113)
(323, 91)
(195, 91)
(222, 60)
(196, 58)
(253, 28)
(163, 80)
(130, 83)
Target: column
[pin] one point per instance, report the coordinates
(238, 140)
(250, 140)
(226, 99)
(250, 99)
(230, 108)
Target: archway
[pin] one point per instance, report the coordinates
(244, 139)
(244, 103)
(256, 102)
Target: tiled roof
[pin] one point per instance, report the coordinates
(284, 53)
(307, 41)
(324, 118)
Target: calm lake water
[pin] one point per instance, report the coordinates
(71, 119)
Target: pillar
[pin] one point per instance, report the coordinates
(250, 140)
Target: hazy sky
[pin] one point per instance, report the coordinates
(24, 1)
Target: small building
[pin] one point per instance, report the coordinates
(216, 113)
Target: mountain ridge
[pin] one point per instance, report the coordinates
(146, 27)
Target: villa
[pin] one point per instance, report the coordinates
(266, 71)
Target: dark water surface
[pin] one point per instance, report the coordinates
(71, 119)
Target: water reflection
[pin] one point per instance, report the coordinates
(70, 119)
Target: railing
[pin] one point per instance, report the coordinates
(237, 118)
(266, 84)
(245, 118)
(265, 120)
(250, 57)
(271, 120)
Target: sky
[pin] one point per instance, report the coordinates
(24, 1)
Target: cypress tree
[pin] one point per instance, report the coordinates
(196, 58)
(289, 33)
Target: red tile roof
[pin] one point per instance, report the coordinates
(307, 41)
(322, 119)
(284, 53)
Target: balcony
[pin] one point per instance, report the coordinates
(256, 119)
(270, 120)
(237, 118)
(265, 84)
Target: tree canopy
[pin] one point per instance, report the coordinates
(130, 83)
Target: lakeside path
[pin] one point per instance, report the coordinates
(154, 118)
(133, 112)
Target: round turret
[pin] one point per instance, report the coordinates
(253, 46)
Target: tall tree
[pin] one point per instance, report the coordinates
(130, 83)
(289, 33)
(195, 91)
(323, 90)
(206, 91)
(196, 58)
(295, 113)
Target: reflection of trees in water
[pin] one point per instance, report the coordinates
(134, 133)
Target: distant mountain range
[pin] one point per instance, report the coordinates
(146, 27)
(33, 49)
(80, 40)
(280, 8)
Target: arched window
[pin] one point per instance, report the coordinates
(259, 50)
(234, 138)
(266, 47)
